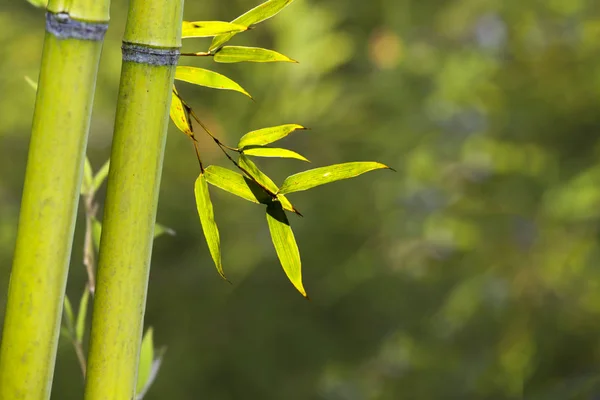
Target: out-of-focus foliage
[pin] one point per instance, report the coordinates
(471, 273)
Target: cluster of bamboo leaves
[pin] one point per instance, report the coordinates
(249, 181)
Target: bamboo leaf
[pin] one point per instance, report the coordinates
(272, 152)
(88, 178)
(68, 308)
(207, 219)
(81, 315)
(258, 14)
(236, 184)
(156, 363)
(160, 230)
(31, 83)
(96, 232)
(101, 176)
(234, 54)
(209, 28)
(65, 333)
(265, 136)
(146, 360)
(179, 115)
(38, 3)
(286, 204)
(257, 174)
(285, 245)
(207, 78)
(320, 176)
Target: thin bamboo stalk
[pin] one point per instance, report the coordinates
(61, 120)
(150, 51)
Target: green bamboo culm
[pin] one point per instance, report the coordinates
(71, 52)
(150, 51)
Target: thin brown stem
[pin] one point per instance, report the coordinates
(89, 258)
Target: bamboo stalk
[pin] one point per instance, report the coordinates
(150, 52)
(61, 120)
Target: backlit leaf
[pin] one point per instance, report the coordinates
(234, 54)
(179, 115)
(88, 177)
(31, 82)
(96, 232)
(235, 183)
(160, 230)
(68, 308)
(156, 363)
(320, 176)
(146, 359)
(101, 175)
(209, 28)
(257, 174)
(273, 152)
(81, 315)
(207, 219)
(285, 245)
(258, 14)
(39, 3)
(264, 136)
(207, 78)
(286, 204)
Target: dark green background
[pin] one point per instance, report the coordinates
(471, 273)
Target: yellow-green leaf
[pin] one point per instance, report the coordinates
(234, 54)
(285, 245)
(286, 204)
(88, 177)
(146, 359)
(68, 308)
(179, 115)
(264, 136)
(257, 174)
(160, 230)
(81, 315)
(258, 14)
(101, 175)
(273, 152)
(205, 77)
(320, 176)
(209, 28)
(31, 82)
(39, 3)
(96, 232)
(236, 184)
(207, 219)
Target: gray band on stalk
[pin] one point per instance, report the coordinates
(149, 55)
(63, 26)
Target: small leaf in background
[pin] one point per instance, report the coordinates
(146, 360)
(179, 115)
(88, 177)
(31, 83)
(285, 245)
(207, 219)
(96, 232)
(160, 230)
(156, 363)
(286, 204)
(101, 175)
(234, 54)
(65, 333)
(38, 3)
(258, 14)
(320, 176)
(209, 28)
(257, 174)
(236, 184)
(81, 315)
(70, 321)
(273, 152)
(207, 78)
(265, 136)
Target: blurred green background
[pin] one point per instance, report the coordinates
(471, 273)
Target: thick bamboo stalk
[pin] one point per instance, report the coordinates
(150, 51)
(50, 197)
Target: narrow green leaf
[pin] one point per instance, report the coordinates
(160, 230)
(209, 28)
(68, 308)
(235, 54)
(264, 136)
(88, 178)
(285, 245)
(65, 333)
(258, 14)
(81, 315)
(320, 176)
(146, 359)
(96, 233)
(101, 175)
(39, 3)
(286, 204)
(257, 174)
(207, 219)
(272, 152)
(179, 115)
(31, 82)
(153, 373)
(207, 78)
(236, 184)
